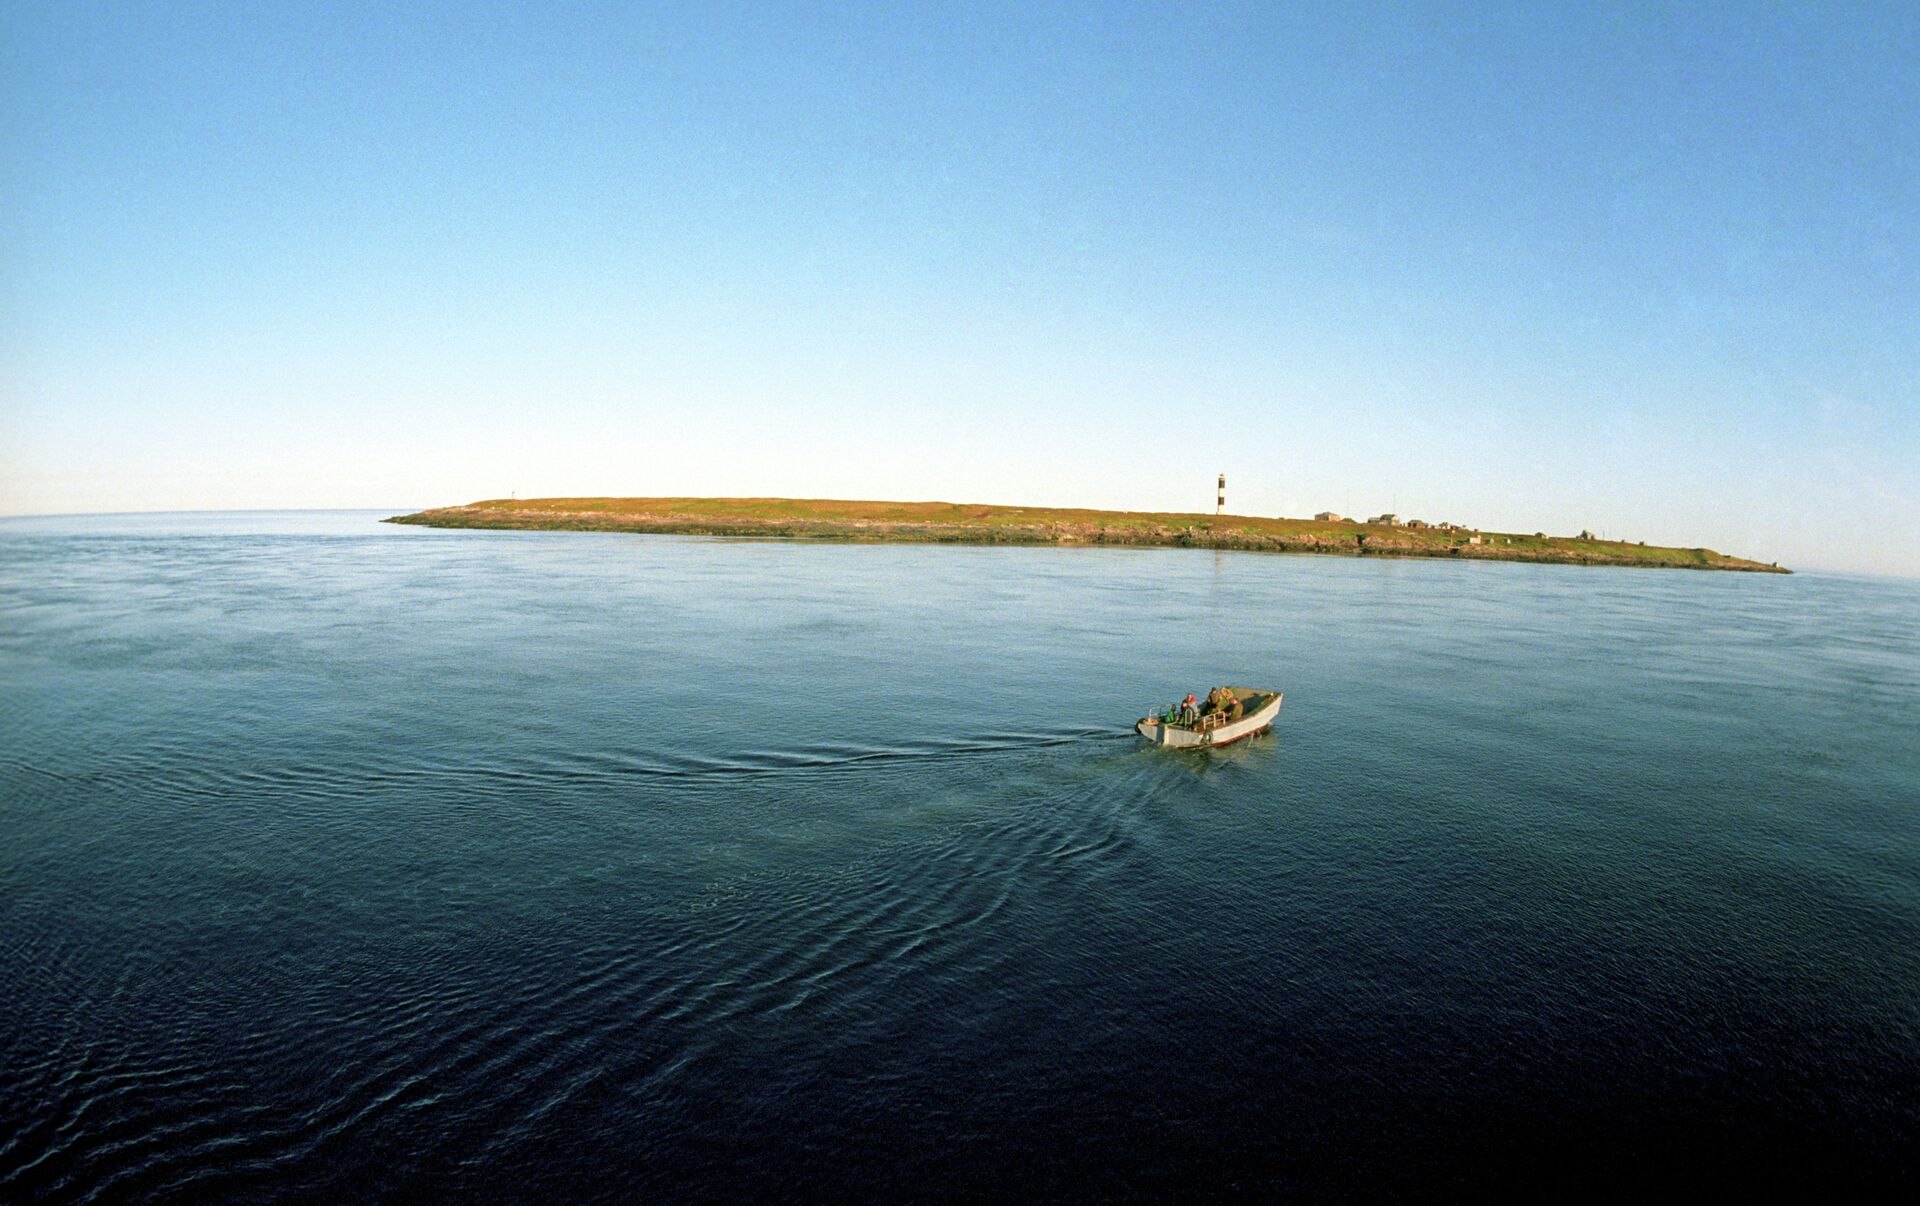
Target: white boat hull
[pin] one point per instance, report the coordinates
(1179, 737)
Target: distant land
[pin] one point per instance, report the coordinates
(975, 523)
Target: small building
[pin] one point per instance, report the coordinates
(1330, 517)
(1474, 539)
(1390, 519)
(1417, 523)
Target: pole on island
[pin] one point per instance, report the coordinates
(1220, 502)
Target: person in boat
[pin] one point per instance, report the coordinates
(1223, 700)
(1189, 709)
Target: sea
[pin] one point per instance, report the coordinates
(347, 861)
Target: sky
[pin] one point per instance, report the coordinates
(1652, 270)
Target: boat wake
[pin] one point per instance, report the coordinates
(633, 963)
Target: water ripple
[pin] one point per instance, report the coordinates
(423, 864)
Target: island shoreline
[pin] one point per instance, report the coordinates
(984, 524)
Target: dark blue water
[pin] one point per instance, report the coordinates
(344, 861)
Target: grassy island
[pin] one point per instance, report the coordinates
(970, 523)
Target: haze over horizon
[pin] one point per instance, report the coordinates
(1651, 273)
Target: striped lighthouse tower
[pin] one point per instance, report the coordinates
(1220, 502)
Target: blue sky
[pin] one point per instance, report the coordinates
(1646, 269)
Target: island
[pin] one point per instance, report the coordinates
(977, 523)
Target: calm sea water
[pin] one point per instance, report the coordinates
(341, 860)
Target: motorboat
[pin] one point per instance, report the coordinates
(1213, 728)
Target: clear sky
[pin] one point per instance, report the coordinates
(1648, 269)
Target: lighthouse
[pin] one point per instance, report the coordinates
(1220, 501)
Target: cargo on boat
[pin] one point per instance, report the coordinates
(1232, 713)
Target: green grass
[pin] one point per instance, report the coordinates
(980, 523)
